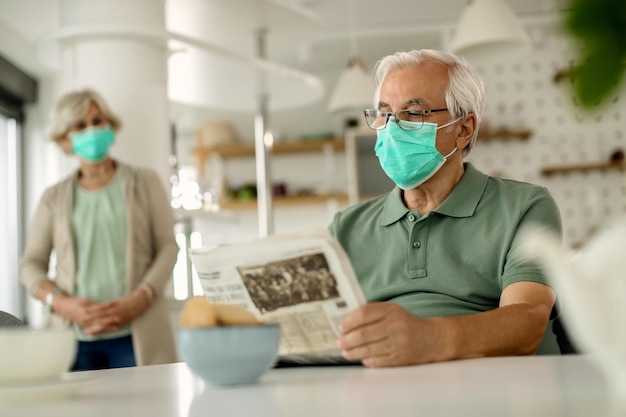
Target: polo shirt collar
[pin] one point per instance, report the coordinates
(394, 208)
(461, 202)
(464, 198)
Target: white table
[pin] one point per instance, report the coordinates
(554, 386)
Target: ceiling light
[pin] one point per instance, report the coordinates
(354, 89)
(488, 30)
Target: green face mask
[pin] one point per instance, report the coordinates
(409, 157)
(93, 144)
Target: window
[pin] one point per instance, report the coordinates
(10, 217)
(16, 89)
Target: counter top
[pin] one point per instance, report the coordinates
(537, 386)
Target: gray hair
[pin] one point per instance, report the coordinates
(72, 107)
(465, 93)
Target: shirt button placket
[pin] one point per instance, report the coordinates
(412, 217)
(417, 256)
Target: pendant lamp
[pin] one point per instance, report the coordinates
(354, 89)
(488, 31)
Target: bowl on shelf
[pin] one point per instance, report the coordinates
(229, 355)
(29, 355)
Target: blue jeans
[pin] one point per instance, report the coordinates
(104, 354)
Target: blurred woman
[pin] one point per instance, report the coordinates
(111, 228)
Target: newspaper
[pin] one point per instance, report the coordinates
(301, 280)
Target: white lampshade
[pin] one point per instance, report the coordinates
(354, 89)
(488, 30)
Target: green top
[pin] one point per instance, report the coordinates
(455, 260)
(99, 223)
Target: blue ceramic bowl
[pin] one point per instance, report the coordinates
(229, 355)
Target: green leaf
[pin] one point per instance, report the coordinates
(599, 74)
(599, 26)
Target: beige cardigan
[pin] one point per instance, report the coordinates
(150, 256)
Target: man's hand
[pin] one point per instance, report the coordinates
(385, 334)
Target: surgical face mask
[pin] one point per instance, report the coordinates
(93, 144)
(409, 157)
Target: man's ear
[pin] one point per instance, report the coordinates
(468, 127)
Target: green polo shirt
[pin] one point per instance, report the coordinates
(455, 260)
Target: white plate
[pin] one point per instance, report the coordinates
(41, 391)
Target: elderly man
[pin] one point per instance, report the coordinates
(438, 257)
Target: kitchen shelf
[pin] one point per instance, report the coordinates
(283, 201)
(594, 166)
(248, 149)
(497, 134)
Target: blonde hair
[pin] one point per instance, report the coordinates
(72, 106)
(465, 93)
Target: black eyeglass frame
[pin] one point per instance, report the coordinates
(388, 114)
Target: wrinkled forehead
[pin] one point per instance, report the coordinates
(421, 85)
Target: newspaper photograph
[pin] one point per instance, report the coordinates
(301, 280)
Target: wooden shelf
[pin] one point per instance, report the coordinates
(594, 166)
(247, 149)
(489, 135)
(285, 201)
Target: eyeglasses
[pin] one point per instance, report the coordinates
(406, 119)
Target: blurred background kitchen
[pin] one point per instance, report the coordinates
(251, 109)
